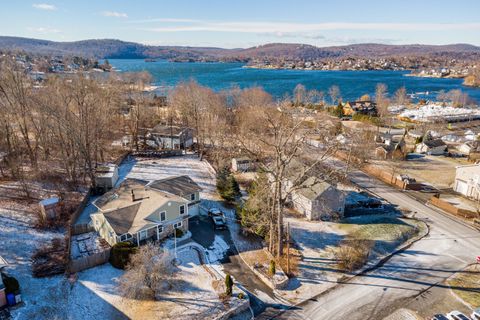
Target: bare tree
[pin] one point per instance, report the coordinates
(299, 95)
(278, 139)
(334, 93)
(147, 274)
(401, 97)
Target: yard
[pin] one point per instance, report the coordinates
(425, 168)
(92, 293)
(317, 241)
(19, 238)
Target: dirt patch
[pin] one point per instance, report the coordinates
(425, 169)
(466, 285)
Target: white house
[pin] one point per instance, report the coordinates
(318, 200)
(434, 147)
(469, 147)
(172, 137)
(106, 176)
(467, 181)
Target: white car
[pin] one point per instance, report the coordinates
(475, 314)
(457, 315)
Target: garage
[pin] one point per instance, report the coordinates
(193, 210)
(461, 187)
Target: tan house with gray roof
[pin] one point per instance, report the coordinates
(138, 211)
(318, 200)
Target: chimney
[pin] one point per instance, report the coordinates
(133, 196)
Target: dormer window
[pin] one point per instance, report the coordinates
(192, 197)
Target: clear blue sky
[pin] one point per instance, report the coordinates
(244, 23)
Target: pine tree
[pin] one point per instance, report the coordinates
(228, 284)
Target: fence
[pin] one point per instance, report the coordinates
(87, 262)
(158, 154)
(81, 228)
(450, 208)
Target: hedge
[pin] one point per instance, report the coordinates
(120, 254)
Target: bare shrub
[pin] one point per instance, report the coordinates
(353, 254)
(50, 259)
(147, 274)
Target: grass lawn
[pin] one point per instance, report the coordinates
(387, 231)
(466, 285)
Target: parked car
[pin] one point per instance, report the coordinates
(439, 317)
(219, 222)
(457, 315)
(214, 212)
(475, 314)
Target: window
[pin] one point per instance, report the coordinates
(163, 216)
(125, 237)
(182, 209)
(177, 225)
(192, 197)
(143, 235)
(160, 229)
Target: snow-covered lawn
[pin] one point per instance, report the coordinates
(155, 169)
(317, 240)
(19, 239)
(191, 295)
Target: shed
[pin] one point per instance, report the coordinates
(106, 176)
(49, 208)
(243, 164)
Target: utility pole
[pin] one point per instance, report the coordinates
(175, 241)
(288, 247)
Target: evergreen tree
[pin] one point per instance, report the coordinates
(222, 177)
(228, 284)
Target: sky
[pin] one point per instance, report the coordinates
(245, 23)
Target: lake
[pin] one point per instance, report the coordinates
(352, 84)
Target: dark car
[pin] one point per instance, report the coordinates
(439, 317)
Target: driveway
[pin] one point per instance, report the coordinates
(416, 272)
(261, 296)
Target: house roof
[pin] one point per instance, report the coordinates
(128, 207)
(313, 187)
(105, 170)
(121, 220)
(434, 143)
(362, 105)
(179, 185)
(473, 145)
(165, 130)
(3, 263)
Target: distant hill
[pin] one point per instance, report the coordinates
(110, 48)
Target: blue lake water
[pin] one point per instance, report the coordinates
(352, 84)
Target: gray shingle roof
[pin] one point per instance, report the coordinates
(313, 187)
(165, 130)
(180, 185)
(121, 220)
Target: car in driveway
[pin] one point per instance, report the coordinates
(457, 315)
(219, 222)
(439, 317)
(214, 212)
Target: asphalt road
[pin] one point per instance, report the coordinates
(450, 246)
